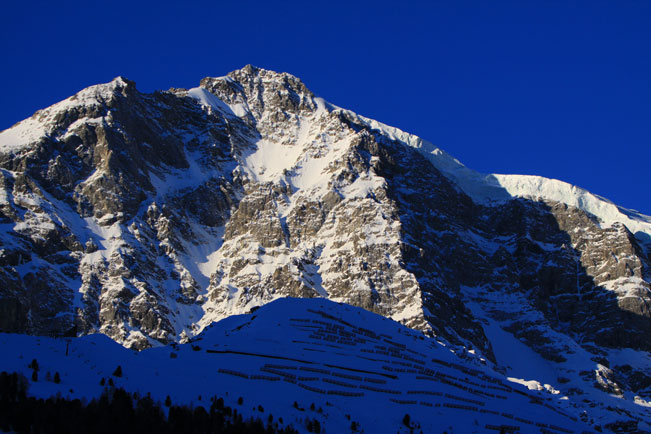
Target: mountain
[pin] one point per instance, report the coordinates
(147, 217)
(301, 360)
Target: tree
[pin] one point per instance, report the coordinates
(33, 365)
(34, 375)
(407, 421)
(168, 401)
(118, 371)
(57, 377)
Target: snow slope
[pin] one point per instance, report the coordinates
(351, 364)
(523, 365)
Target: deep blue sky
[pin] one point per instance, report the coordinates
(560, 89)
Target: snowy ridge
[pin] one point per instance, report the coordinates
(483, 188)
(494, 189)
(44, 122)
(537, 187)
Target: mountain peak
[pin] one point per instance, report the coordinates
(251, 72)
(260, 93)
(87, 103)
(123, 82)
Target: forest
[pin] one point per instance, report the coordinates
(118, 411)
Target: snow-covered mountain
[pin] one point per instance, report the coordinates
(147, 217)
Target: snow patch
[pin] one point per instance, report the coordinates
(20, 135)
(207, 99)
(270, 160)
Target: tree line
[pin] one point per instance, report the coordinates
(118, 411)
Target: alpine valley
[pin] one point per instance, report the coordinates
(149, 217)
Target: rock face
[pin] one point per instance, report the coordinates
(147, 217)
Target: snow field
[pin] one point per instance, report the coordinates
(344, 360)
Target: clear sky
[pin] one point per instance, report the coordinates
(560, 88)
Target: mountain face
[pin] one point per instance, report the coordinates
(147, 217)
